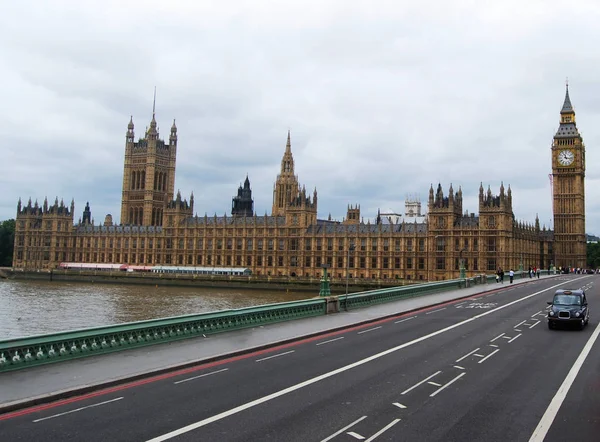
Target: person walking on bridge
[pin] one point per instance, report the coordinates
(511, 275)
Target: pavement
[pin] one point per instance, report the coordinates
(47, 383)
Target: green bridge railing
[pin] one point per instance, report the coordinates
(45, 349)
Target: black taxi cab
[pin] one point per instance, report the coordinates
(568, 307)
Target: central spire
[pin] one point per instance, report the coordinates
(567, 106)
(288, 144)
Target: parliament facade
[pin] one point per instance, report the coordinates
(158, 227)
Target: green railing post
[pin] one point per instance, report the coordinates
(324, 290)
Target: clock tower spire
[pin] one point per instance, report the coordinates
(568, 192)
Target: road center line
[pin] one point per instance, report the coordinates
(542, 429)
(497, 337)
(367, 331)
(383, 430)
(200, 376)
(78, 409)
(331, 340)
(489, 356)
(276, 356)
(467, 355)
(422, 382)
(448, 384)
(344, 429)
(343, 369)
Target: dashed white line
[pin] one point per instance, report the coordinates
(371, 329)
(517, 329)
(384, 429)
(514, 338)
(438, 310)
(78, 409)
(489, 356)
(535, 314)
(498, 337)
(535, 324)
(200, 376)
(422, 382)
(344, 429)
(461, 303)
(435, 384)
(331, 340)
(405, 319)
(467, 355)
(275, 356)
(355, 435)
(399, 405)
(459, 367)
(478, 355)
(522, 322)
(448, 384)
(493, 345)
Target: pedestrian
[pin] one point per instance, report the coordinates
(501, 275)
(538, 273)
(511, 275)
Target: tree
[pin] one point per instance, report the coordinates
(7, 242)
(593, 255)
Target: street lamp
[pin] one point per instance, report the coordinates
(462, 263)
(350, 249)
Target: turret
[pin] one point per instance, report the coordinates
(173, 136)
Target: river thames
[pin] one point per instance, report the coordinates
(37, 307)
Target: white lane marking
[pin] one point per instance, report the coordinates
(522, 322)
(435, 384)
(478, 355)
(535, 314)
(337, 371)
(448, 384)
(467, 355)
(506, 337)
(497, 337)
(514, 338)
(406, 319)
(200, 376)
(518, 330)
(276, 356)
(460, 303)
(331, 340)
(535, 324)
(542, 429)
(493, 345)
(399, 405)
(384, 429)
(422, 382)
(438, 310)
(371, 329)
(489, 356)
(459, 367)
(355, 435)
(344, 429)
(78, 409)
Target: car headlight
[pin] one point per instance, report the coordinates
(577, 314)
(550, 313)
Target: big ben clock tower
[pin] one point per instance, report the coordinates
(568, 171)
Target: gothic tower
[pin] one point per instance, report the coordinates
(568, 172)
(149, 175)
(286, 187)
(243, 204)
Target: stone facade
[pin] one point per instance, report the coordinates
(156, 229)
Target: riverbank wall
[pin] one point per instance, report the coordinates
(295, 284)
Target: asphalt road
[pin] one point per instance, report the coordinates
(483, 369)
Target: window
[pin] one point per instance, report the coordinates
(260, 244)
(409, 245)
(340, 244)
(329, 244)
(421, 263)
(396, 263)
(421, 245)
(259, 262)
(307, 244)
(386, 262)
(307, 261)
(409, 263)
(238, 244)
(319, 244)
(374, 262)
(249, 244)
(281, 245)
(440, 263)
(363, 244)
(386, 245)
(340, 262)
(374, 245)
(270, 244)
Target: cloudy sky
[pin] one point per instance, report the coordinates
(383, 98)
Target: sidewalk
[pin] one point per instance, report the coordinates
(51, 382)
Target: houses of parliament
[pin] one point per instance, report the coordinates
(158, 227)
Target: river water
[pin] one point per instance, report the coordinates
(38, 307)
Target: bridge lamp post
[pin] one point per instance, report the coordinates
(350, 249)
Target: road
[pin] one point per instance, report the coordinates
(482, 369)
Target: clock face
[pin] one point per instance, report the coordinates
(566, 157)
